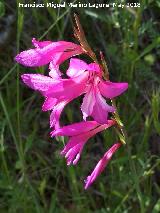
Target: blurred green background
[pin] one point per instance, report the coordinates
(33, 176)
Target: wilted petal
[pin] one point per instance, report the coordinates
(101, 165)
(76, 67)
(41, 56)
(49, 104)
(75, 129)
(112, 90)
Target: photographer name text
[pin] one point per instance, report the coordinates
(78, 5)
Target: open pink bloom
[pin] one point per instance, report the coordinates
(46, 52)
(101, 165)
(95, 88)
(57, 92)
(84, 78)
(79, 134)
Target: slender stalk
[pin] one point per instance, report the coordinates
(2, 150)
(20, 144)
(119, 125)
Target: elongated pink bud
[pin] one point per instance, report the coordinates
(101, 165)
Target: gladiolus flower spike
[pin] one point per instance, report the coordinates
(90, 80)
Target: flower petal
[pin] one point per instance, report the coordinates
(40, 44)
(56, 113)
(49, 104)
(74, 147)
(76, 67)
(54, 70)
(111, 90)
(75, 129)
(94, 67)
(101, 108)
(38, 82)
(60, 57)
(101, 165)
(41, 56)
(73, 155)
(88, 103)
(68, 88)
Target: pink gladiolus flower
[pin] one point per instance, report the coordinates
(46, 52)
(84, 78)
(95, 88)
(58, 92)
(79, 134)
(101, 165)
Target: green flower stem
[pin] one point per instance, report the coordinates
(119, 127)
